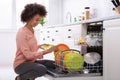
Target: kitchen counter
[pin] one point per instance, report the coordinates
(88, 21)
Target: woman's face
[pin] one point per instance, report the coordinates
(34, 21)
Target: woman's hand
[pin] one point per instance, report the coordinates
(39, 55)
(53, 48)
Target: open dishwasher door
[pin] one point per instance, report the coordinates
(54, 75)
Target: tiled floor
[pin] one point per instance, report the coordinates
(7, 73)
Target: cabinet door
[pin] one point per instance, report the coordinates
(111, 51)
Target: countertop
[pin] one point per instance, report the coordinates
(88, 21)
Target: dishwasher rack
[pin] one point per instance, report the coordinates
(86, 69)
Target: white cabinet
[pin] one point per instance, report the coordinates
(68, 34)
(111, 49)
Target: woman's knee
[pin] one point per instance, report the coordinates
(41, 69)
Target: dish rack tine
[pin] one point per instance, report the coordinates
(71, 50)
(61, 61)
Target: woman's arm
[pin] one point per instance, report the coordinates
(53, 48)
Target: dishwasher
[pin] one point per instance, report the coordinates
(89, 71)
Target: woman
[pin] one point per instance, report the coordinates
(26, 63)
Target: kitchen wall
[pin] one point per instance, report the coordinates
(7, 32)
(58, 9)
(55, 12)
(7, 47)
(99, 8)
(6, 14)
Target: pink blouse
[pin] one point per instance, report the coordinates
(27, 47)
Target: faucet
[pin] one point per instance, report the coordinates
(69, 16)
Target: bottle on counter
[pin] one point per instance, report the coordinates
(87, 13)
(75, 19)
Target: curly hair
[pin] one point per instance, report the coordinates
(30, 10)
